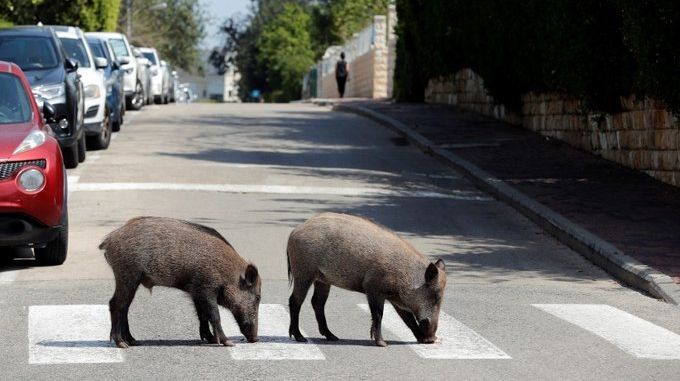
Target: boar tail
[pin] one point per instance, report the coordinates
(290, 277)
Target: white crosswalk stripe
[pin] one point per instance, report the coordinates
(633, 335)
(456, 340)
(274, 342)
(70, 334)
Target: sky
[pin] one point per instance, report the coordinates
(217, 11)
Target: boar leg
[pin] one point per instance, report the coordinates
(300, 288)
(208, 312)
(376, 305)
(321, 291)
(119, 306)
(204, 327)
(410, 321)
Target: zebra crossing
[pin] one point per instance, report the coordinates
(73, 334)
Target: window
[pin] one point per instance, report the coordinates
(119, 48)
(30, 53)
(14, 104)
(151, 57)
(75, 49)
(97, 49)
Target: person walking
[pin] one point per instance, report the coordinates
(341, 74)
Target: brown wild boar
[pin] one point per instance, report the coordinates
(157, 251)
(353, 253)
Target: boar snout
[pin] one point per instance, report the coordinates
(250, 332)
(428, 329)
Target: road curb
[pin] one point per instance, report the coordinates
(597, 250)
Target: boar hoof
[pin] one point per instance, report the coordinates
(299, 338)
(222, 340)
(331, 337)
(121, 344)
(381, 343)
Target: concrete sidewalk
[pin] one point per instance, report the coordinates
(621, 219)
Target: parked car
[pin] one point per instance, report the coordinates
(144, 74)
(54, 79)
(174, 86)
(167, 79)
(97, 114)
(113, 79)
(133, 87)
(33, 210)
(158, 82)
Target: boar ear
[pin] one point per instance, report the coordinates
(250, 276)
(441, 265)
(432, 273)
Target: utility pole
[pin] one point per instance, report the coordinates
(128, 17)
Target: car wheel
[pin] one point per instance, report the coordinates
(102, 140)
(82, 152)
(138, 99)
(115, 126)
(166, 99)
(70, 155)
(54, 253)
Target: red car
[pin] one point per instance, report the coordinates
(33, 209)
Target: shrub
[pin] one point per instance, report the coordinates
(594, 50)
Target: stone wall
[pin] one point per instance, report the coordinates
(371, 55)
(643, 136)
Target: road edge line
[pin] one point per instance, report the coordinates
(600, 252)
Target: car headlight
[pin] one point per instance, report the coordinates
(33, 140)
(92, 91)
(48, 92)
(31, 179)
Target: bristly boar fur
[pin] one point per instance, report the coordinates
(353, 253)
(156, 251)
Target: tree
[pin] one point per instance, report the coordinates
(175, 31)
(286, 49)
(90, 15)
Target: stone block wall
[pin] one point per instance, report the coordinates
(370, 73)
(643, 136)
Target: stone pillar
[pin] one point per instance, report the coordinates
(380, 58)
(391, 47)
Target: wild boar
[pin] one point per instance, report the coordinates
(156, 251)
(355, 254)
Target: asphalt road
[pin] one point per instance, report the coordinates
(518, 305)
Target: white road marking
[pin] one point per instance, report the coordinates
(70, 334)
(72, 179)
(93, 157)
(456, 340)
(114, 136)
(8, 276)
(330, 169)
(277, 189)
(274, 342)
(633, 335)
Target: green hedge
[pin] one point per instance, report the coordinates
(595, 50)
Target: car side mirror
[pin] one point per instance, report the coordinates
(101, 63)
(49, 112)
(70, 65)
(124, 60)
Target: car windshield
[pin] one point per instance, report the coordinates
(14, 104)
(30, 53)
(119, 48)
(151, 57)
(75, 49)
